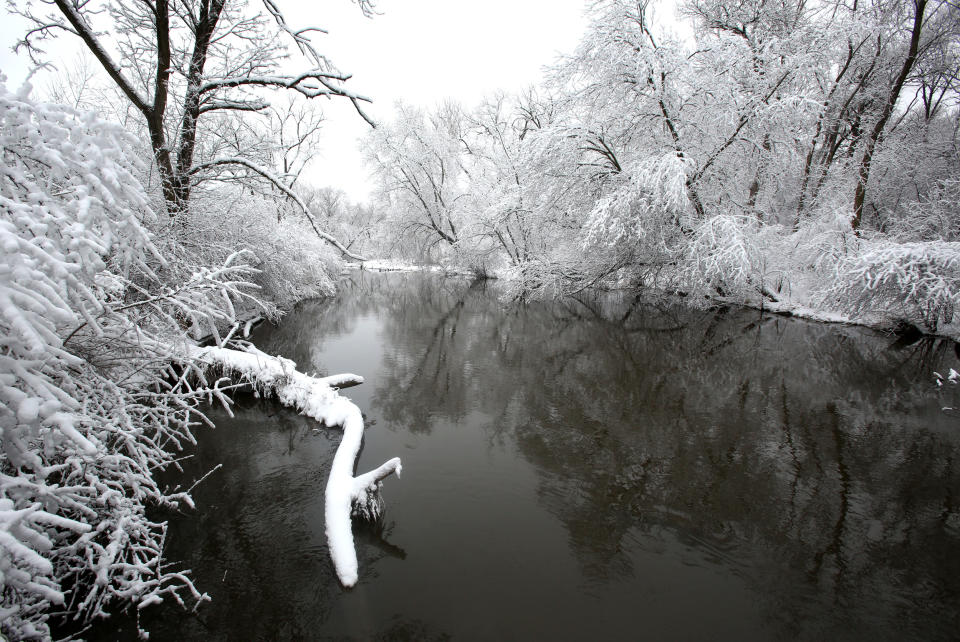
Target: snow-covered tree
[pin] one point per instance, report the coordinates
(180, 63)
(361, 226)
(743, 159)
(498, 180)
(101, 381)
(418, 162)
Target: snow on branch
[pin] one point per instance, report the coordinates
(273, 178)
(89, 406)
(302, 41)
(649, 203)
(234, 105)
(919, 282)
(325, 84)
(725, 256)
(89, 36)
(324, 78)
(345, 494)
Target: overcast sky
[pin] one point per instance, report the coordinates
(418, 51)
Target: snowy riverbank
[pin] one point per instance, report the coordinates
(800, 300)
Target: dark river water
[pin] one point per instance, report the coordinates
(589, 469)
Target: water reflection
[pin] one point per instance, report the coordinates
(601, 467)
(812, 461)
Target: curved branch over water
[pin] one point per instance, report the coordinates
(345, 494)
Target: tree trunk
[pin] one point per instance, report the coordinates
(863, 176)
(210, 11)
(155, 114)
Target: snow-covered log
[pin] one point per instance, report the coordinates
(316, 397)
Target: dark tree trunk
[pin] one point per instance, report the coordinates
(155, 114)
(863, 176)
(210, 11)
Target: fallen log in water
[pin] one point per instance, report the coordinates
(316, 397)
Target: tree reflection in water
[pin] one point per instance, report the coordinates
(814, 460)
(603, 466)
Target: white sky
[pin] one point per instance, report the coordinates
(418, 51)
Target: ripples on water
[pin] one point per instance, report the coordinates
(598, 468)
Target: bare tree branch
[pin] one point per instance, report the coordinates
(270, 176)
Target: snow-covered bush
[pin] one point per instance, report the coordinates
(933, 217)
(824, 238)
(565, 271)
(293, 263)
(918, 283)
(540, 278)
(724, 256)
(92, 315)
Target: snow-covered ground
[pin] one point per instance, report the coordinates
(396, 265)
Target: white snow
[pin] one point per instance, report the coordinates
(279, 184)
(396, 265)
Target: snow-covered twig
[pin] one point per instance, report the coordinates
(90, 408)
(920, 282)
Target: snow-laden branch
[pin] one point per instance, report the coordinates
(83, 29)
(90, 409)
(324, 84)
(289, 82)
(270, 176)
(234, 105)
(345, 494)
(914, 282)
(302, 40)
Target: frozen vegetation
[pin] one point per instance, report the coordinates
(101, 381)
(118, 255)
(92, 317)
(799, 156)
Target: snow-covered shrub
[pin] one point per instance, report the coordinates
(293, 263)
(92, 315)
(914, 282)
(825, 238)
(935, 216)
(541, 278)
(565, 271)
(724, 256)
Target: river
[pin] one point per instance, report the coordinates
(595, 468)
